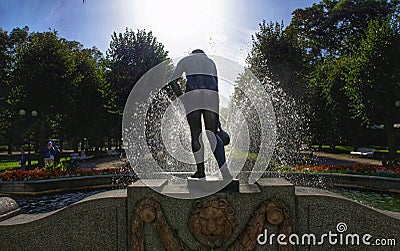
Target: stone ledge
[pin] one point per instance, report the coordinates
(274, 182)
(249, 188)
(373, 183)
(104, 221)
(40, 187)
(150, 183)
(92, 202)
(8, 208)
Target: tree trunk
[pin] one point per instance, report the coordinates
(119, 144)
(109, 142)
(82, 144)
(97, 147)
(390, 140)
(36, 146)
(41, 143)
(9, 150)
(61, 145)
(75, 144)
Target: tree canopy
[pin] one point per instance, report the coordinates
(72, 88)
(341, 58)
(131, 54)
(373, 76)
(336, 64)
(334, 27)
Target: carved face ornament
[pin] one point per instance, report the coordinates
(212, 221)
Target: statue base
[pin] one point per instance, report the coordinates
(209, 184)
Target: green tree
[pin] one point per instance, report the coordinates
(42, 74)
(373, 76)
(86, 113)
(63, 82)
(131, 54)
(248, 109)
(10, 96)
(276, 56)
(328, 32)
(5, 63)
(333, 122)
(334, 27)
(276, 59)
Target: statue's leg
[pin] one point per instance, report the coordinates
(211, 124)
(194, 120)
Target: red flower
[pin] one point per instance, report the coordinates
(45, 174)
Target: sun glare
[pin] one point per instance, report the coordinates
(181, 25)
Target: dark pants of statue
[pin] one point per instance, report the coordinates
(211, 124)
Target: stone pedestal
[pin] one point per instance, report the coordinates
(242, 210)
(212, 184)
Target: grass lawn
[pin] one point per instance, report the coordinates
(360, 169)
(344, 148)
(11, 165)
(348, 149)
(15, 165)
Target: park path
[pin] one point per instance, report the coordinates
(340, 159)
(103, 163)
(324, 158)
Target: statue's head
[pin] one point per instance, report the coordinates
(197, 51)
(212, 221)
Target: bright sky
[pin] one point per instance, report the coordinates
(220, 27)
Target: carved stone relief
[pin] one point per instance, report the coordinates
(212, 222)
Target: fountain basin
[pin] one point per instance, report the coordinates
(139, 218)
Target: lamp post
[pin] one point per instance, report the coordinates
(28, 120)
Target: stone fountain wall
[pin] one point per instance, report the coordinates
(140, 218)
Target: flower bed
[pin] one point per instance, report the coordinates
(37, 174)
(350, 169)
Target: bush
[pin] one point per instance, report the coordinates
(71, 166)
(25, 147)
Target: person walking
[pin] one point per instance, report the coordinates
(23, 159)
(57, 153)
(48, 154)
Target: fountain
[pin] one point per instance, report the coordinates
(161, 212)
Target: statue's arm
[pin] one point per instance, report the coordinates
(215, 74)
(176, 88)
(173, 83)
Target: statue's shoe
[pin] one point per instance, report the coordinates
(198, 175)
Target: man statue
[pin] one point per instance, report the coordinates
(202, 85)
